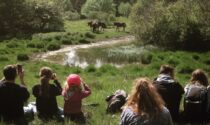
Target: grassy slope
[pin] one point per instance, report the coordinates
(106, 79)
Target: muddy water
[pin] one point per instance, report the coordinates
(68, 55)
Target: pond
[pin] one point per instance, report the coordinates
(86, 54)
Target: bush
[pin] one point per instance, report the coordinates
(124, 9)
(69, 15)
(90, 68)
(146, 58)
(53, 46)
(12, 45)
(40, 45)
(3, 58)
(83, 41)
(66, 41)
(31, 45)
(172, 26)
(22, 57)
(89, 35)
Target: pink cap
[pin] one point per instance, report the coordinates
(73, 79)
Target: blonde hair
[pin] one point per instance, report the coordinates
(144, 99)
(73, 88)
(199, 76)
(45, 76)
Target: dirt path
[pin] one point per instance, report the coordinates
(51, 55)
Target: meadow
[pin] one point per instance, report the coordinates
(104, 80)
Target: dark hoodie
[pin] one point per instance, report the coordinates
(171, 92)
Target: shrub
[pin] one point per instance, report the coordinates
(83, 41)
(22, 57)
(89, 35)
(53, 46)
(69, 15)
(172, 26)
(124, 9)
(40, 45)
(3, 58)
(90, 68)
(195, 57)
(146, 58)
(66, 41)
(12, 45)
(31, 45)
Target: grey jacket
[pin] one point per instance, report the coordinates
(128, 117)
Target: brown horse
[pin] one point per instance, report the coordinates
(119, 24)
(96, 25)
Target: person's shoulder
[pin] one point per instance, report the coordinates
(36, 86)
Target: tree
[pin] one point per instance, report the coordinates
(105, 6)
(179, 25)
(125, 9)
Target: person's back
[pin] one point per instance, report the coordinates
(195, 99)
(145, 106)
(170, 90)
(73, 95)
(12, 98)
(46, 93)
(133, 119)
(46, 106)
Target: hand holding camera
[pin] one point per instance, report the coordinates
(54, 76)
(20, 72)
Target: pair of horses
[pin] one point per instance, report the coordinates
(118, 25)
(96, 26)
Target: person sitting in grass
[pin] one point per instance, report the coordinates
(73, 95)
(13, 96)
(46, 93)
(145, 106)
(196, 97)
(170, 90)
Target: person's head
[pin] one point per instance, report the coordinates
(10, 72)
(166, 69)
(46, 72)
(73, 83)
(199, 76)
(45, 76)
(144, 98)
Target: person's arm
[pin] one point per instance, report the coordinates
(87, 90)
(58, 88)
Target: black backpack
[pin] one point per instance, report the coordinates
(116, 101)
(195, 102)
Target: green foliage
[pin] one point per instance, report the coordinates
(53, 46)
(24, 17)
(22, 57)
(103, 6)
(89, 35)
(172, 25)
(124, 9)
(3, 58)
(70, 15)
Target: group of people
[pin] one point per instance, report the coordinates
(157, 102)
(151, 102)
(13, 96)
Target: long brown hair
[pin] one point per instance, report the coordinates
(199, 76)
(45, 76)
(144, 99)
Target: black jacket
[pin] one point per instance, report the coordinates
(12, 98)
(171, 92)
(47, 107)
